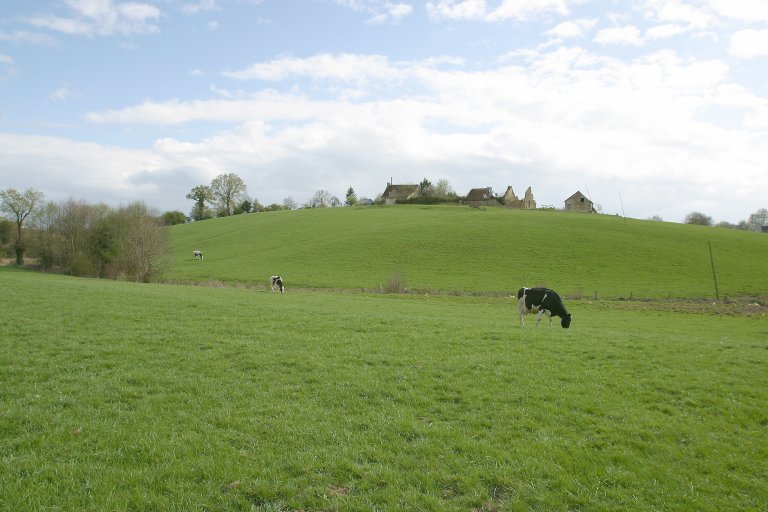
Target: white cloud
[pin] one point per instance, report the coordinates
(199, 6)
(62, 94)
(664, 31)
(102, 18)
(347, 68)
(525, 9)
(609, 120)
(46, 163)
(747, 44)
(26, 37)
(628, 35)
(391, 11)
(680, 12)
(294, 123)
(750, 11)
(380, 11)
(457, 9)
(7, 68)
(572, 29)
(479, 10)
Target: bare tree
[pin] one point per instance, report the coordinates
(227, 190)
(323, 199)
(289, 203)
(142, 240)
(19, 206)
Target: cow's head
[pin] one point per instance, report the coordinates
(566, 321)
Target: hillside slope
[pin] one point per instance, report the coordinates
(458, 249)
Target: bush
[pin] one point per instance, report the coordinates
(430, 200)
(396, 284)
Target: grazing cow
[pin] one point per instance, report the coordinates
(277, 283)
(197, 254)
(542, 301)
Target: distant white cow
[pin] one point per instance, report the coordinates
(197, 254)
(277, 283)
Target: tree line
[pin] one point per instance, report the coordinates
(83, 239)
(755, 222)
(227, 194)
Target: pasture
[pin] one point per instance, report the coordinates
(455, 250)
(118, 396)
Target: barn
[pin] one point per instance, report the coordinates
(578, 202)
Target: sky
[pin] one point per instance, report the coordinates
(651, 108)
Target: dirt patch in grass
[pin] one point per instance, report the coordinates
(731, 307)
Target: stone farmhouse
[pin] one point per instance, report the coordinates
(481, 197)
(394, 192)
(578, 202)
(484, 196)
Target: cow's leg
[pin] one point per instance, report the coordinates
(521, 310)
(538, 317)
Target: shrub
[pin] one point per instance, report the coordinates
(396, 284)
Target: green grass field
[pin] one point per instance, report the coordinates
(127, 397)
(450, 249)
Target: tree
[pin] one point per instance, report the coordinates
(425, 187)
(244, 206)
(351, 198)
(289, 203)
(48, 245)
(201, 195)
(142, 240)
(6, 231)
(105, 244)
(758, 219)
(76, 229)
(444, 190)
(19, 206)
(226, 191)
(323, 199)
(173, 218)
(698, 218)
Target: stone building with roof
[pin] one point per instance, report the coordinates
(481, 197)
(578, 202)
(393, 193)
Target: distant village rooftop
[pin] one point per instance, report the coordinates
(484, 196)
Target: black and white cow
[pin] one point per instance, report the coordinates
(197, 254)
(277, 283)
(542, 301)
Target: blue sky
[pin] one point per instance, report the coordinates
(651, 107)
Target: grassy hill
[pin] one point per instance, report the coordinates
(450, 249)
